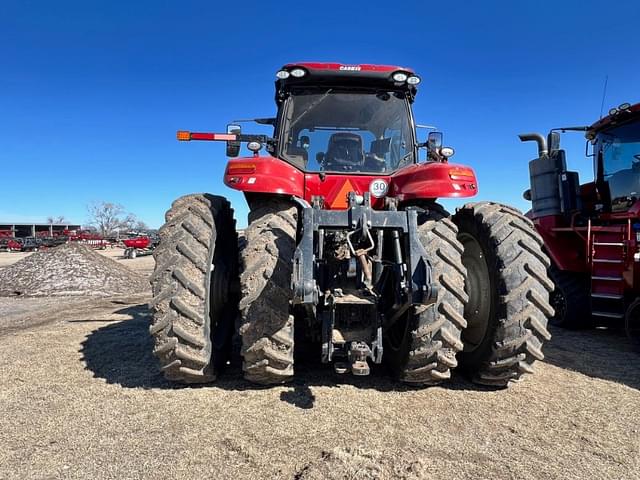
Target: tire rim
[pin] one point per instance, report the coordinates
(559, 304)
(478, 287)
(224, 291)
(396, 334)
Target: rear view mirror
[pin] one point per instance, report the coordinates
(434, 140)
(233, 147)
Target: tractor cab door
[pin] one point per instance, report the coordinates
(618, 166)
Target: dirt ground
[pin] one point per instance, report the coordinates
(9, 258)
(81, 398)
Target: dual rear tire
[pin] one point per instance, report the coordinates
(490, 316)
(508, 289)
(195, 292)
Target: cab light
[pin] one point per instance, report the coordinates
(413, 80)
(298, 73)
(447, 152)
(282, 74)
(399, 77)
(254, 146)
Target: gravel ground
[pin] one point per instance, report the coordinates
(143, 265)
(70, 269)
(81, 398)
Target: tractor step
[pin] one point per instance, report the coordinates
(612, 279)
(607, 296)
(608, 314)
(609, 244)
(606, 260)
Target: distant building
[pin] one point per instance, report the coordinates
(21, 230)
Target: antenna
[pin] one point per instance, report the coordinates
(604, 94)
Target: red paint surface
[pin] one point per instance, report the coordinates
(612, 119)
(419, 181)
(433, 180)
(345, 67)
(138, 242)
(271, 175)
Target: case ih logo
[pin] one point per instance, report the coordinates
(351, 68)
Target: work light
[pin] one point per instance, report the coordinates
(399, 77)
(298, 72)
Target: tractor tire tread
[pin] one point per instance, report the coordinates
(519, 267)
(266, 264)
(436, 330)
(180, 327)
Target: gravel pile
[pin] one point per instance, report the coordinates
(70, 269)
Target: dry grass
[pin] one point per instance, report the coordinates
(81, 398)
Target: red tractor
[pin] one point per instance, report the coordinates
(592, 231)
(347, 252)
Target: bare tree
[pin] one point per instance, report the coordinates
(107, 217)
(128, 222)
(140, 226)
(58, 219)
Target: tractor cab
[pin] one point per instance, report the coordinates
(346, 119)
(324, 130)
(616, 142)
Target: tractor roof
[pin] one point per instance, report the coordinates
(317, 67)
(621, 114)
(340, 75)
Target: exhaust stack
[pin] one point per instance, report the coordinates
(539, 139)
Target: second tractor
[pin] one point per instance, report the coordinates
(592, 231)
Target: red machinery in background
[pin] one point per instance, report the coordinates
(87, 237)
(592, 231)
(139, 246)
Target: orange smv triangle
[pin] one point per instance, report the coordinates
(341, 199)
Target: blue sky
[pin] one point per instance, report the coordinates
(91, 93)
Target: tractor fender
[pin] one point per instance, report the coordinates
(264, 174)
(433, 180)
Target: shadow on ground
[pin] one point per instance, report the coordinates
(121, 354)
(605, 353)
